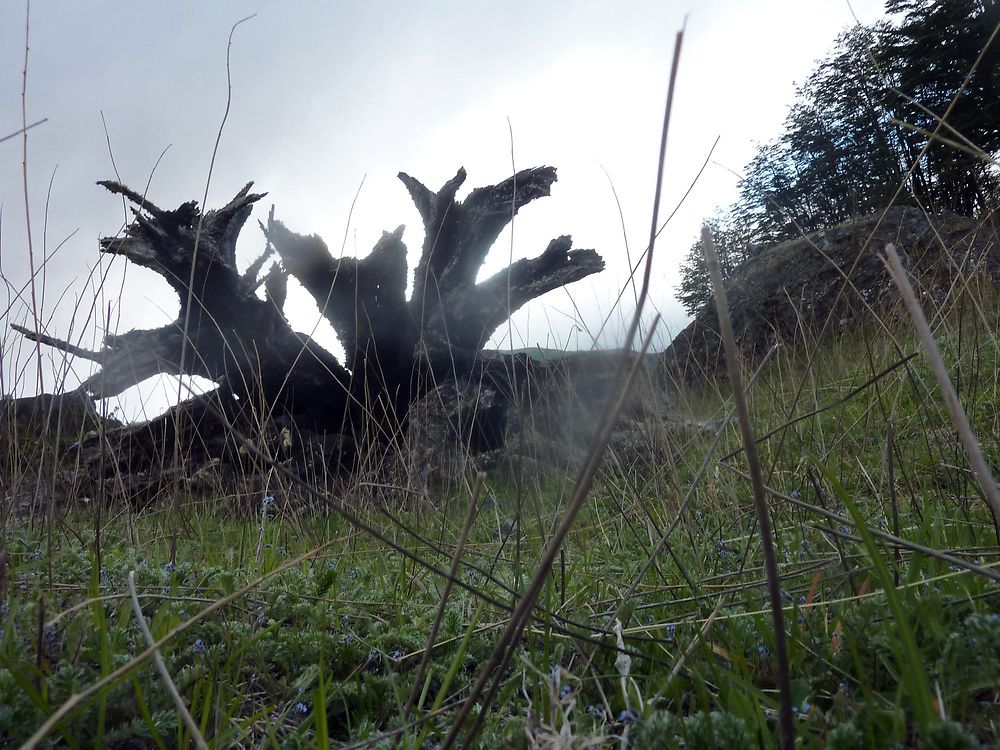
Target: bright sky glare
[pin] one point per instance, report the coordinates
(330, 97)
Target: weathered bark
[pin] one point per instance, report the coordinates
(233, 338)
(365, 302)
(449, 317)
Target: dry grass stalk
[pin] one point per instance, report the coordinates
(883, 536)
(960, 420)
(522, 612)
(161, 667)
(470, 516)
(785, 726)
(501, 653)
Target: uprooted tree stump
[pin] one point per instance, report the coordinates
(397, 349)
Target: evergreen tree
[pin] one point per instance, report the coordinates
(696, 287)
(933, 48)
(854, 140)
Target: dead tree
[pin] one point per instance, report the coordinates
(396, 349)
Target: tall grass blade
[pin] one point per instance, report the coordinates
(785, 726)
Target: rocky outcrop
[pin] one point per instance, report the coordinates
(834, 279)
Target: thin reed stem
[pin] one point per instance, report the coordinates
(980, 469)
(786, 729)
(470, 516)
(161, 667)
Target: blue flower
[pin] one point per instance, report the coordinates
(671, 632)
(564, 692)
(396, 655)
(597, 712)
(198, 646)
(795, 494)
(628, 716)
(301, 708)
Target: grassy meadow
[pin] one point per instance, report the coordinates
(281, 626)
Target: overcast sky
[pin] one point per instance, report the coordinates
(327, 95)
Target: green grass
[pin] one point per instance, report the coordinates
(883, 643)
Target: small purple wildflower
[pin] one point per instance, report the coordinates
(301, 708)
(564, 692)
(199, 646)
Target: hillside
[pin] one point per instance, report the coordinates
(796, 290)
